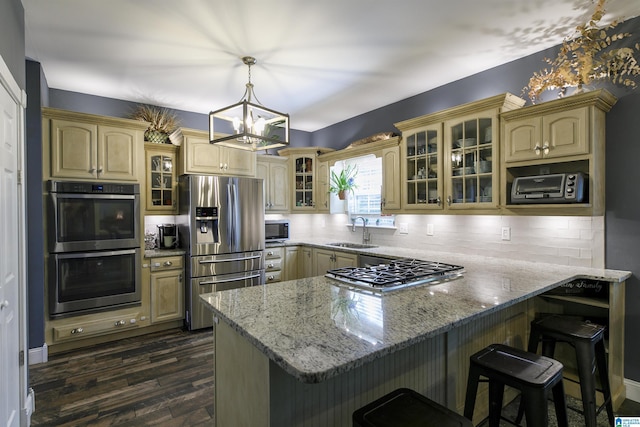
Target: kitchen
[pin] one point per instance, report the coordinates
(469, 232)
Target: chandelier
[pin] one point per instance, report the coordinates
(248, 125)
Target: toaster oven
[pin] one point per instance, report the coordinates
(552, 188)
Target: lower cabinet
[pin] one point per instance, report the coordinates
(327, 259)
(167, 288)
(86, 328)
(273, 264)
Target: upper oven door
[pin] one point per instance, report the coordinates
(89, 222)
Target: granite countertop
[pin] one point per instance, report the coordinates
(316, 328)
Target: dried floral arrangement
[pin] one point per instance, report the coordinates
(586, 57)
(160, 120)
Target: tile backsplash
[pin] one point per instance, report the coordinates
(566, 240)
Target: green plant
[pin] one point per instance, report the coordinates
(344, 181)
(586, 57)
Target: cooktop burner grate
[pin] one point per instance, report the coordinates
(396, 274)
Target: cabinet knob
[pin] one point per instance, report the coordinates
(537, 149)
(120, 323)
(270, 277)
(545, 148)
(100, 170)
(77, 331)
(270, 253)
(4, 304)
(168, 264)
(270, 265)
(156, 264)
(449, 200)
(439, 201)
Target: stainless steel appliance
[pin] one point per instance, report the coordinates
(276, 230)
(94, 247)
(167, 236)
(552, 188)
(221, 226)
(396, 274)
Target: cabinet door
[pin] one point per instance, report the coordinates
(521, 139)
(117, 153)
(565, 133)
(291, 262)
(236, 162)
(322, 186)
(167, 296)
(262, 171)
(323, 260)
(199, 156)
(161, 180)
(422, 168)
(73, 149)
(344, 259)
(279, 195)
(391, 179)
(305, 266)
(303, 179)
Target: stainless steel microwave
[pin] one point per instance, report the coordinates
(552, 188)
(276, 230)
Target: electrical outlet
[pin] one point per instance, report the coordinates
(403, 228)
(506, 233)
(429, 229)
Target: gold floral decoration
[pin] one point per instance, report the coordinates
(160, 120)
(586, 57)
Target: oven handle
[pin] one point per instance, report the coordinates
(213, 282)
(215, 261)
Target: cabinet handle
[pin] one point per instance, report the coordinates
(180, 278)
(168, 263)
(270, 265)
(92, 170)
(537, 149)
(270, 277)
(120, 323)
(4, 304)
(439, 201)
(383, 203)
(449, 200)
(156, 264)
(270, 253)
(100, 170)
(545, 148)
(75, 331)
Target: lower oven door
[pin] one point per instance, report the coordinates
(81, 282)
(198, 316)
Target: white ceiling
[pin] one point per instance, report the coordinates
(320, 61)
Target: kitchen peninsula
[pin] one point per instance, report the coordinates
(309, 352)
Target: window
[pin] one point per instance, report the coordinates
(366, 198)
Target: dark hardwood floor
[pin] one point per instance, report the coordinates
(158, 379)
(162, 379)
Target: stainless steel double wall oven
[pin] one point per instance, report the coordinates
(94, 246)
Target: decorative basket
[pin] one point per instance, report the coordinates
(155, 136)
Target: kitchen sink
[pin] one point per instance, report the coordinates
(352, 245)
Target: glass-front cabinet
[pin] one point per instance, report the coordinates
(470, 155)
(423, 166)
(303, 163)
(161, 178)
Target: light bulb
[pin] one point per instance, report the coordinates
(259, 126)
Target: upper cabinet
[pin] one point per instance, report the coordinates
(566, 135)
(199, 156)
(450, 159)
(161, 183)
(89, 147)
(274, 170)
(303, 173)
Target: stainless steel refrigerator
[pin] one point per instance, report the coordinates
(221, 226)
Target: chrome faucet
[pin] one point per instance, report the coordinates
(366, 237)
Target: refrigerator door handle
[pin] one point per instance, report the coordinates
(213, 282)
(236, 217)
(230, 218)
(214, 261)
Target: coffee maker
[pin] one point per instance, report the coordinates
(167, 236)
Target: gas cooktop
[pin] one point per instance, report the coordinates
(396, 274)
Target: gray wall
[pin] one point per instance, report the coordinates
(623, 148)
(12, 39)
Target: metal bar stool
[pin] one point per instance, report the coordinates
(535, 376)
(588, 341)
(406, 408)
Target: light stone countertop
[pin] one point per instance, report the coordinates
(316, 328)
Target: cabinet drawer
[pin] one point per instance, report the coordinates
(273, 265)
(271, 253)
(95, 327)
(167, 263)
(273, 276)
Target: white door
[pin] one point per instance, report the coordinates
(11, 278)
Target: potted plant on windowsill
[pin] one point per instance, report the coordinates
(344, 181)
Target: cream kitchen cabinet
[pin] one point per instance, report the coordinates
(274, 170)
(167, 288)
(161, 183)
(450, 159)
(322, 189)
(327, 259)
(292, 263)
(303, 175)
(566, 135)
(89, 147)
(391, 193)
(273, 264)
(198, 156)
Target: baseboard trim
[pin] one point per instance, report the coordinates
(38, 355)
(633, 390)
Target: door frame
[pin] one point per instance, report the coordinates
(9, 84)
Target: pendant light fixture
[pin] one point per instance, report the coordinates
(248, 125)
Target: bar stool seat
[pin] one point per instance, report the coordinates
(535, 376)
(404, 407)
(588, 340)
